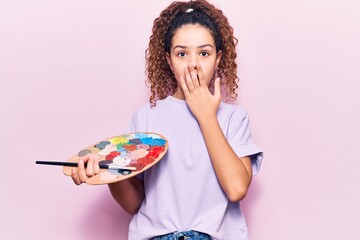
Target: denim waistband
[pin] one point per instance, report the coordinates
(187, 235)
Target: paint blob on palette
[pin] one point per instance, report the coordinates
(126, 155)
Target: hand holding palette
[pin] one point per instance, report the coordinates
(122, 156)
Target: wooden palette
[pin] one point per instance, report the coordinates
(140, 150)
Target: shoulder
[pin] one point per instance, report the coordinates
(232, 111)
(143, 108)
(147, 107)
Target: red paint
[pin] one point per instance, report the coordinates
(130, 147)
(155, 151)
(112, 155)
(158, 149)
(138, 166)
(145, 160)
(153, 155)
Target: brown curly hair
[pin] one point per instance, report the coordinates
(159, 75)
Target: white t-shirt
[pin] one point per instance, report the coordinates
(181, 191)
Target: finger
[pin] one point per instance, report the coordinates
(184, 87)
(81, 171)
(96, 164)
(75, 176)
(188, 80)
(90, 167)
(200, 73)
(194, 75)
(217, 90)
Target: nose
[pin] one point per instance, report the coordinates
(193, 60)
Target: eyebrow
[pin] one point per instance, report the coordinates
(201, 46)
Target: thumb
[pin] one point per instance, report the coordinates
(217, 91)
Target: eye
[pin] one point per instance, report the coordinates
(181, 54)
(204, 54)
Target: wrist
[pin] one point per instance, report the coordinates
(208, 121)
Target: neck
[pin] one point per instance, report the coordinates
(179, 94)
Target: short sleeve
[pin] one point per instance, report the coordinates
(239, 137)
(133, 124)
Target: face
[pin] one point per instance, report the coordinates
(192, 45)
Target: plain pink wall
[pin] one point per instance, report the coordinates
(72, 73)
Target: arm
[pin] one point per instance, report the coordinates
(128, 193)
(234, 174)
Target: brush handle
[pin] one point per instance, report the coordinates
(74, 164)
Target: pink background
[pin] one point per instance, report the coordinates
(72, 73)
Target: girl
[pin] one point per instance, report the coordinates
(194, 191)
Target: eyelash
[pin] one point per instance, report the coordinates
(182, 54)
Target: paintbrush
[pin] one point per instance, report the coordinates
(102, 164)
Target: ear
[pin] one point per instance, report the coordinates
(218, 57)
(169, 61)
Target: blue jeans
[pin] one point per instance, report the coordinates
(188, 235)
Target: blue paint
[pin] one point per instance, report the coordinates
(153, 141)
(140, 135)
(121, 172)
(135, 141)
(159, 142)
(102, 145)
(119, 147)
(123, 154)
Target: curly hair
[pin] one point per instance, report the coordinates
(159, 75)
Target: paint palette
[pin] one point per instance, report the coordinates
(136, 151)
